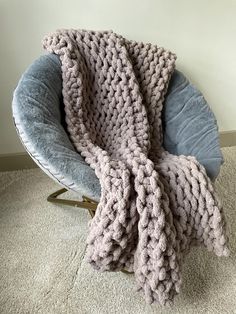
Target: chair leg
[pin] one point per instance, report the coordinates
(87, 203)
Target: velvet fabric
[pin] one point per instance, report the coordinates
(189, 126)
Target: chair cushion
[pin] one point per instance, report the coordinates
(189, 126)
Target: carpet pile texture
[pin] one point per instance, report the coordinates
(42, 248)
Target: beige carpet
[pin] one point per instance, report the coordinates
(42, 269)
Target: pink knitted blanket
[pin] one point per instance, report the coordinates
(154, 205)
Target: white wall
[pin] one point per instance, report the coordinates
(201, 33)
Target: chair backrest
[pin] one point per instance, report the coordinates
(190, 127)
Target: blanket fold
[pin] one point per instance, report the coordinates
(154, 205)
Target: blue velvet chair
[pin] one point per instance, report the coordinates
(189, 126)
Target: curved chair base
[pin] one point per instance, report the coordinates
(86, 203)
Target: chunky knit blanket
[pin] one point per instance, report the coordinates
(154, 205)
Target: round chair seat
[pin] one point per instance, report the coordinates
(189, 126)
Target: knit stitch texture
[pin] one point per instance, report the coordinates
(154, 205)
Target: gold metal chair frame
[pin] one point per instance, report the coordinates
(86, 203)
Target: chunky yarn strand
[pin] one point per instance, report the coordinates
(154, 206)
